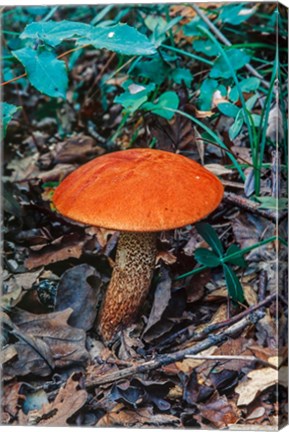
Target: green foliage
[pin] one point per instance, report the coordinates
(247, 85)
(206, 47)
(217, 257)
(155, 70)
(180, 75)
(237, 59)
(235, 289)
(210, 236)
(45, 72)
(272, 203)
(168, 100)
(120, 38)
(235, 14)
(192, 28)
(7, 111)
(228, 109)
(159, 27)
(207, 257)
(54, 32)
(134, 96)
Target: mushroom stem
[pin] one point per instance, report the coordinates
(130, 281)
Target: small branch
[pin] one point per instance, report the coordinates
(166, 359)
(225, 41)
(188, 334)
(231, 357)
(253, 207)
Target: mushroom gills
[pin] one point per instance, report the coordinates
(130, 281)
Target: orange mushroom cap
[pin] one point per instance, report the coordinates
(139, 190)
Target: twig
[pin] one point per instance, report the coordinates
(263, 281)
(166, 359)
(231, 357)
(225, 41)
(189, 334)
(253, 207)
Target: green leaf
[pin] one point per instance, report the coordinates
(8, 111)
(247, 85)
(54, 32)
(169, 100)
(251, 102)
(237, 58)
(159, 27)
(207, 89)
(135, 95)
(236, 127)
(228, 109)
(207, 257)
(273, 203)
(235, 289)
(205, 46)
(45, 72)
(180, 75)
(235, 14)
(210, 236)
(120, 38)
(155, 70)
(191, 29)
(239, 261)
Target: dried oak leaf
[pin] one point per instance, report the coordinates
(259, 380)
(68, 401)
(120, 416)
(45, 341)
(60, 249)
(79, 289)
(220, 412)
(161, 301)
(11, 398)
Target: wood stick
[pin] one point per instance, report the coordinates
(166, 359)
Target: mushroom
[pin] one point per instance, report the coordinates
(138, 192)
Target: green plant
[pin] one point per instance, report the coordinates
(218, 257)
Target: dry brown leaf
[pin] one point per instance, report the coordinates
(68, 401)
(44, 342)
(259, 380)
(188, 365)
(167, 257)
(56, 251)
(218, 169)
(121, 416)
(79, 289)
(275, 130)
(11, 398)
(250, 294)
(220, 412)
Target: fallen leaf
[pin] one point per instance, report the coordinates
(167, 257)
(44, 342)
(161, 300)
(258, 381)
(11, 398)
(70, 247)
(70, 398)
(79, 289)
(220, 412)
(120, 416)
(218, 169)
(275, 130)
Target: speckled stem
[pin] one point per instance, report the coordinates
(130, 282)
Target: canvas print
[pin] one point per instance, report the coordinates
(144, 222)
